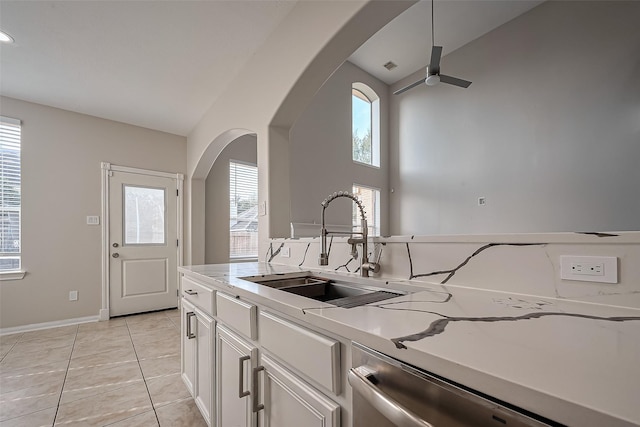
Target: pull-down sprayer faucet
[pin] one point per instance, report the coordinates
(365, 265)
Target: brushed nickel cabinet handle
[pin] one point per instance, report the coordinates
(190, 333)
(257, 407)
(242, 393)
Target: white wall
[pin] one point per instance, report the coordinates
(61, 185)
(321, 151)
(548, 131)
(217, 197)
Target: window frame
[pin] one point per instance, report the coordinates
(365, 93)
(250, 257)
(374, 223)
(15, 273)
(125, 228)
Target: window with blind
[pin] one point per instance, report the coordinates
(243, 210)
(10, 200)
(370, 198)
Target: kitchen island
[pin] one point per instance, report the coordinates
(568, 362)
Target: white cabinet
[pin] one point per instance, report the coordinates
(289, 401)
(203, 395)
(220, 364)
(197, 346)
(188, 346)
(315, 355)
(235, 361)
(238, 315)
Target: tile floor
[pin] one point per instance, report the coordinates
(123, 372)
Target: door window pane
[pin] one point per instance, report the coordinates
(144, 212)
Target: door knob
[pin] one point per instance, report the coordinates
(116, 255)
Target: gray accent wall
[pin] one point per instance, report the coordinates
(548, 132)
(321, 152)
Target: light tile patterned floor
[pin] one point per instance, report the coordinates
(123, 372)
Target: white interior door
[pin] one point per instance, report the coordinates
(143, 242)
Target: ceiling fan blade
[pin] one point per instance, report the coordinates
(434, 64)
(411, 86)
(454, 81)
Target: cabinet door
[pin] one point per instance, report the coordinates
(188, 346)
(205, 331)
(289, 401)
(235, 360)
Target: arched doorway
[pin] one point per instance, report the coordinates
(231, 232)
(197, 192)
(285, 74)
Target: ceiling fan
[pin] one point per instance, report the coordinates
(433, 69)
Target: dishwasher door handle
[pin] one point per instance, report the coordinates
(395, 412)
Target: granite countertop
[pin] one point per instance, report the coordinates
(574, 363)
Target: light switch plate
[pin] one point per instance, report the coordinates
(589, 268)
(286, 253)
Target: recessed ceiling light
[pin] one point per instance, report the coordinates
(5, 38)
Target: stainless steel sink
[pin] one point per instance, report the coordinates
(279, 283)
(317, 288)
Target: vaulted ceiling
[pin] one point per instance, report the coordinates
(161, 64)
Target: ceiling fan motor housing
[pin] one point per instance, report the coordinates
(432, 79)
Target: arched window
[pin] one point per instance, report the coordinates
(365, 125)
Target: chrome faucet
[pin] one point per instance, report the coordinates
(365, 265)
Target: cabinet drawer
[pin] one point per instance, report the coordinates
(237, 314)
(313, 354)
(199, 295)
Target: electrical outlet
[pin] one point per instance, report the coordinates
(285, 252)
(93, 220)
(73, 296)
(589, 268)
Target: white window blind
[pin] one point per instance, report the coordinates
(370, 198)
(243, 210)
(10, 200)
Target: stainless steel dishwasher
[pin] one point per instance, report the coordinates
(388, 392)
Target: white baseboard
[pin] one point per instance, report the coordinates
(104, 314)
(48, 325)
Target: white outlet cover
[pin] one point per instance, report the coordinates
(93, 220)
(609, 272)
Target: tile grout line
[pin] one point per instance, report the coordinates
(55, 406)
(144, 378)
(12, 345)
(75, 337)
